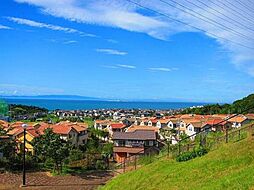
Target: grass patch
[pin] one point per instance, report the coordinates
(231, 166)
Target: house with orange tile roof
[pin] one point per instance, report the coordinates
(76, 133)
(140, 127)
(194, 127)
(4, 124)
(162, 123)
(116, 127)
(238, 121)
(173, 123)
(217, 124)
(152, 122)
(31, 133)
(250, 116)
(102, 124)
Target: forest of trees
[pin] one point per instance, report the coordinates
(245, 105)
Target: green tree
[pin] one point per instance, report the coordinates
(3, 108)
(51, 146)
(7, 147)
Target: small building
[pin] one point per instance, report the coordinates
(116, 127)
(137, 142)
(238, 121)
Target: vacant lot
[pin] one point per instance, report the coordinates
(42, 180)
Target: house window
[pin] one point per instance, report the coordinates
(190, 128)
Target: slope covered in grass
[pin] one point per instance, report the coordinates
(229, 167)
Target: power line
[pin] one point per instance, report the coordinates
(207, 19)
(243, 5)
(233, 11)
(184, 23)
(239, 23)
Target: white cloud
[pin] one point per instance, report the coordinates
(33, 23)
(5, 27)
(127, 66)
(160, 69)
(111, 51)
(122, 14)
(70, 42)
(110, 66)
(112, 41)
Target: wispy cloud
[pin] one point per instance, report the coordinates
(127, 66)
(5, 27)
(110, 66)
(118, 66)
(112, 41)
(127, 16)
(111, 51)
(70, 42)
(33, 23)
(160, 69)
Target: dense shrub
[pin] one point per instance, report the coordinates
(100, 165)
(192, 154)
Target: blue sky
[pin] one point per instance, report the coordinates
(113, 49)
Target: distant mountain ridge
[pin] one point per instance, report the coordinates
(55, 97)
(78, 97)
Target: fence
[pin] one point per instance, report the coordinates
(212, 140)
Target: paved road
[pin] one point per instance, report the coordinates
(41, 180)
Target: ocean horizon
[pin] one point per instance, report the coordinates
(53, 104)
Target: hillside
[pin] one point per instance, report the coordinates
(229, 167)
(238, 106)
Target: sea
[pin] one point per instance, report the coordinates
(53, 104)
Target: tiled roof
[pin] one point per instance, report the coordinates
(135, 135)
(216, 122)
(105, 122)
(117, 125)
(237, 119)
(197, 124)
(4, 124)
(139, 127)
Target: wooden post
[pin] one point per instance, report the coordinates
(239, 135)
(135, 162)
(168, 148)
(124, 165)
(179, 148)
(226, 135)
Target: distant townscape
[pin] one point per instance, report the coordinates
(65, 141)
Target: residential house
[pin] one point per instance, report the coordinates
(143, 128)
(31, 133)
(137, 142)
(162, 123)
(101, 124)
(238, 121)
(116, 127)
(76, 133)
(218, 124)
(173, 123)
(193, 127)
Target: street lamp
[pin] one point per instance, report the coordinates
(24, 126)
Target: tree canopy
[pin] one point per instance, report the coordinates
(245, 105)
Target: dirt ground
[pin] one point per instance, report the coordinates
(42, 180)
